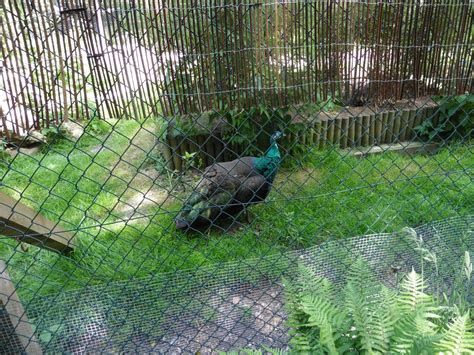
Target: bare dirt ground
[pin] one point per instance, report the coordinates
(251, 317)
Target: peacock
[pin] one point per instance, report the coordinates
(228, 188)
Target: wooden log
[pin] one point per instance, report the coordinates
(211, 157)
(303, 135)
(219, 148)
(337, 130)
(419, 118)
(396, 127)
(311, 136)
(317, 133)
(323, 133)
(14, 324)
(330, 131)
(27, 225)
(404, 125)
(351, 139)
(384, 136)
(371, 129)
(411, 123)
(408, 148)
(378, 128)
(365, 130)
(201, 149)
(344, 131)
(358, 131)
(391, 136)
(193, 148)
(183, 148)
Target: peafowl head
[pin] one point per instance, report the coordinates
(276, 136)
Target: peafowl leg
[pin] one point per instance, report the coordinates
(247, 216)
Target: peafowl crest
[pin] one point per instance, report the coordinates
(225, 189)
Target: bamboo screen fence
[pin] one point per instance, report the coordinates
(133, 59)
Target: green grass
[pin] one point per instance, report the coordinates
(329, 196)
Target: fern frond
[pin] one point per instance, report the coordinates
(310, 283)
(304, 343)
(326, 316)
(459, 337)
(413, 328)
(412, 295)
(321, 310)
(362, 276)
(373, 325)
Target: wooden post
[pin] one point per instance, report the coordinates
(16, 333)
(352, 138)
(358, 131)
(391, 136)
(27, 225)
(372, 129)
(323, 135)
(384, 137)
(404, 125)
(344, 131)
(396, 127)
(411, 124)
(317, 133)
(337, 130)
(365, 130)
(378, 128)
(330, 131)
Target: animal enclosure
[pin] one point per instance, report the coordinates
(351, 123)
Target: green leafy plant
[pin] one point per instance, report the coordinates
(454, 116)
(192, 160)
(53, 133)
(98, 127)
(4, 156)
(371, 318)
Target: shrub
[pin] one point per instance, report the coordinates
(455, 118)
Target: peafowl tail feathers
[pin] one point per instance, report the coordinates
(199, 209)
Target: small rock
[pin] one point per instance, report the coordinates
(74, 129)
(34, 137)
(235, 300)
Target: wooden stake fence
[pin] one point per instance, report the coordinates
(142, 59)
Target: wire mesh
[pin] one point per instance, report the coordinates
(112, 111)
(233, 305)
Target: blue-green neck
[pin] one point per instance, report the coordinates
(269, 163)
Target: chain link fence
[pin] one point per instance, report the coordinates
(123, 226)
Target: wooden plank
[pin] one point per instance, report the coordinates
(16, 323)
(27, 225)
(403, 148)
